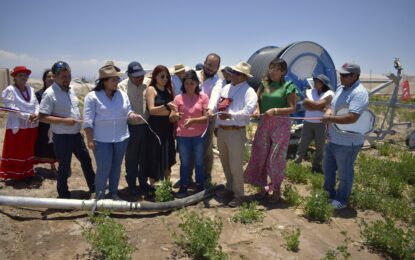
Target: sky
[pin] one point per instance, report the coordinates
(87, 33)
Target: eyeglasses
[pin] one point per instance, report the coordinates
(60, 65)
(346, 75)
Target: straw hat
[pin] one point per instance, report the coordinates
(108, 71)
(177, 68)
(243, 68)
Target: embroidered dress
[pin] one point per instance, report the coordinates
(269, 148)
(19, 142)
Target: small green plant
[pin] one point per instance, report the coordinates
(108, 238)
(164, 192)
(297, 173)
(292, 239)
(199, 236)
(340, 250)
(317, 181)
(317, 207)
(291, 196)
(387, 238)
(248, 213)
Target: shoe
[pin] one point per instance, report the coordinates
(337, 205)
(260, 195)
(182, 193)
(298, 159)
(177, 184)
(133, 190)
(316, 169)
(199, 188)
(115, 197)
(275, 197)
(224, 194)
(236, 202)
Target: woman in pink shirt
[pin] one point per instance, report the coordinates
(192, 106)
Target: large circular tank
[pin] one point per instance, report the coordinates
(304, 59)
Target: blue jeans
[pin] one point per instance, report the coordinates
(108, 157)
(191, 147)
(64, 146)
(339, 158)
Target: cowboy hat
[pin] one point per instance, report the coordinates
(109, 71)
(20, 69)
(177, 68)
(243, 68)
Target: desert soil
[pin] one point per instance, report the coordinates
(39, 233)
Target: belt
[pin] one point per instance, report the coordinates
(231, 127)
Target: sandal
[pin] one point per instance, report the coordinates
(275, 197)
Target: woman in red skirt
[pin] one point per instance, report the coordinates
(21, 128)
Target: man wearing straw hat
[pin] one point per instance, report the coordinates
(60, 108)
(177, 75)
(135, 160)
(237, 102)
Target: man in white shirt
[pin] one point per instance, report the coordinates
(238, 101)
(135, 157)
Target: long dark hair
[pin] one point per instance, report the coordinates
(191, 74)
(279, 63)
(45, 74)
(156, 71)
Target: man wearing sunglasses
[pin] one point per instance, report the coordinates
(60, 108)
(342, 148)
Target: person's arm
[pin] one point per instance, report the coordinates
(251, 100)
(357, 105)
(163, 110)
(199, 120)
(89, 138)
(317, 105)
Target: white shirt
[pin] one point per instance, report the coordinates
(244, 100)
(177, 84)
(12, 98)
(107, 117)
(314, 96)
(61, 103)
(211, 87)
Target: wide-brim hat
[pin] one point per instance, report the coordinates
(177, 68)
(243, 68)
(20, 69)
(111, 63)
(324, 79)
(109, 71)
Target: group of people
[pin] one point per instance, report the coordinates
(145, 120)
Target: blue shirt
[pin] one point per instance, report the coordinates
(107, 117)
(356, 99)
(60, 102)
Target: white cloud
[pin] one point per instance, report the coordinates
(80, 67)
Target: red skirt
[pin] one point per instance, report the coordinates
(18, 154)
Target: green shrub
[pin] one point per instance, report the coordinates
(317, 181)
(199, 236)
(108, 238)
(291, 196)
(248, 213)
(386, 238)
(297, 174)
(292, 240)
(164, 192)
(317, 207)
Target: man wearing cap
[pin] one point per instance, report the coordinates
(237, 102)
(177, 75)
(342, 149)
(315, 102)
(135, 162)
(60, 108)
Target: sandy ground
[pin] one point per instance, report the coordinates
(37, 233)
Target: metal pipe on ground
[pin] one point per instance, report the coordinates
(92, 205)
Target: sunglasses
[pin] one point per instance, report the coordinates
(164, 77)
(345, 75)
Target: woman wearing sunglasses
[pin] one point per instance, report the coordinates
(277, 100)
(161, 152)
